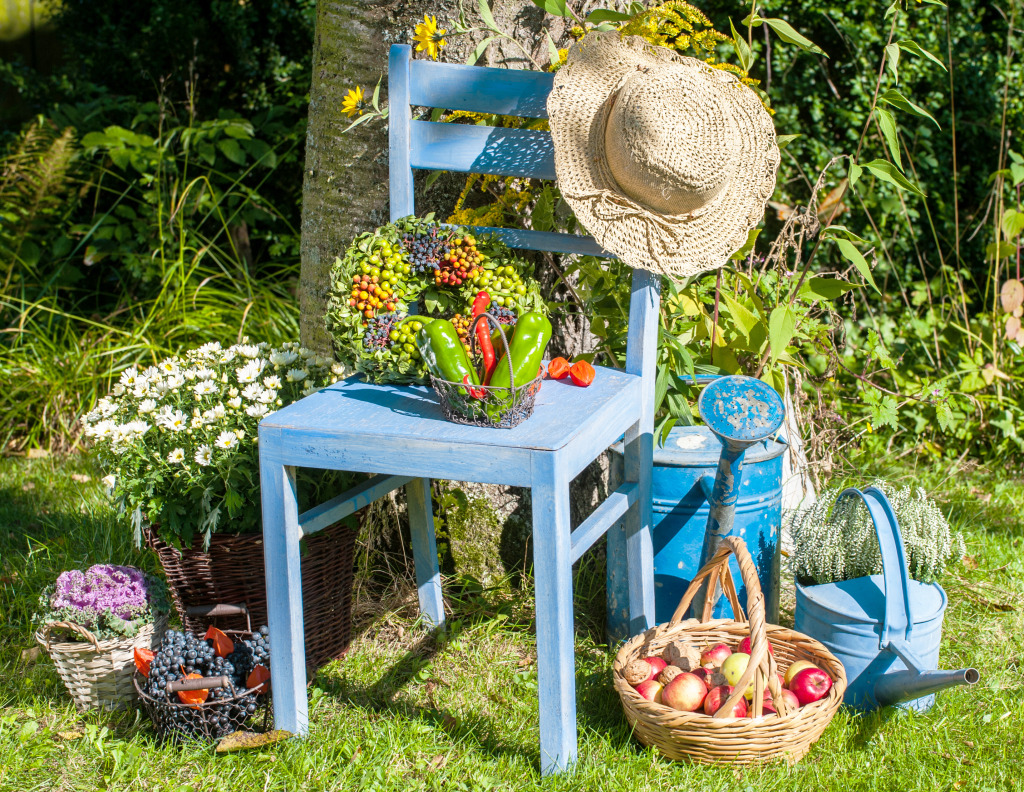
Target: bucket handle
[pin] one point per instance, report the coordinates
(898, 618)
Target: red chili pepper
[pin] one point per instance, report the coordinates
(483, 337)
(476, 393)
(581, 373)
(558, 368)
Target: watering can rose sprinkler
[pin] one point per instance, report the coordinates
(740, 411)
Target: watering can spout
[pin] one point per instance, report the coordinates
(894, 687)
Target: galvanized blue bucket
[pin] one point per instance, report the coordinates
(885, 629)
(684, 472)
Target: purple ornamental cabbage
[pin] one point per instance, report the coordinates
(102, 591)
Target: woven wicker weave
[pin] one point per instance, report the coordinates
(719, 739)
(98, 674)
(233, 571)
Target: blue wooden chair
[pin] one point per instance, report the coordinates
(399, 433)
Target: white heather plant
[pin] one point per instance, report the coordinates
(834, 544)
(180, 439)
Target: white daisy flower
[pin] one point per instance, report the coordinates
(227, 356)
(296, 375)
(250, 371)
(282, 357)
(204, 455)
(152, 373)
(175, 381)
(176, 457)
(137, 428)
(252, 392)
(207, 351)
(190, 374)
(141, 389)
(232, 392)
(214, 413)
(257, 410)
(226, 440)
(109, 481)
(101, 430)
(267, 397)
(106, 407)
(197, 421)
(169, 366)
(235, 403)
(174, 420)
(129, 377)
(204, 387)
(310, 390)
(118, 389)
(160, 388)
(206, 374)
(272, 381)
(240, 434)
(247, 350)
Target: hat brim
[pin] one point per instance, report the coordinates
(674, 245)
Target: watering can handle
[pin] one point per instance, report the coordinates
(898, 620)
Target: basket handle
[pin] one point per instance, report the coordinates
(898, 616)
(49, 627)
(203, 683)
(221, 609)
(761, 668)
(490, 318)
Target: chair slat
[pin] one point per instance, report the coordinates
(546, 240)
(481, 149)
(512, 92)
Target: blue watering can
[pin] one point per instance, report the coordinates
(885, 629)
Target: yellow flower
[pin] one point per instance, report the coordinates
(428, 38)
(350, 105)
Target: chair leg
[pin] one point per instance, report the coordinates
(555, 635)
(424, 550)
(281, 535)
(638, 457)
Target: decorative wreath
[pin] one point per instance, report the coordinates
(393, 279)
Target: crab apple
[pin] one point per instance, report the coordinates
(686, 692)
(717, 696)
(715, 655)
(810, 685)
(651, 690)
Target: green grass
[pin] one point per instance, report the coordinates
(406, 712)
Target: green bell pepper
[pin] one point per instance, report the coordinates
(444, 354)
(526, 348)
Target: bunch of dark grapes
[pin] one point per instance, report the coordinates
(180, 654)
(378, 331)
(505, 316)
(426, 251)
(250, 653)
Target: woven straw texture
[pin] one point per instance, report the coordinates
(666, 161)
(677, 734)
(232, 571)
(98, 674)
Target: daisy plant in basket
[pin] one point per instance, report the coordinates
(180, 438)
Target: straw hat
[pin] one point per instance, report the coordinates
(666, 161)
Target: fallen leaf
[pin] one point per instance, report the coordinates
(438, 761)
(244, 740)
(28, 486)
(37, 453)
(81, 478)
(70, 735)
(30, 655)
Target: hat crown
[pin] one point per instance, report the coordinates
(668, 141)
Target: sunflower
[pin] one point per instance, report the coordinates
(428, 37)
(352, 102)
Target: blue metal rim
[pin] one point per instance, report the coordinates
(741, 408)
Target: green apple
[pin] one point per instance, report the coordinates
(734, 667)
(795, 669)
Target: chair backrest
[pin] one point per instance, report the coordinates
(427, 145)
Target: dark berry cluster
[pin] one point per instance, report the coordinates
(504, 315)
(378, 331)
(426, 251)
(250, 653)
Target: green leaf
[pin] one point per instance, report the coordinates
(230, 149)
(784, 140)
(836, 231)
(1017, 172)
(916, 49)
(744, 319)
(743, 52)
(488, 17)
(1000, 251)
(884, 413)
(553, 55)
(474, 56)
(781, 327)
(887, 124)
(827, 289)
(944, 414)
(744, 251)
(896, 99)
(855, 172)
(1013, 223)
(786, 32)
(887, 172)
(553, 7)
(892, 59)
(850, 253)
(606, 15)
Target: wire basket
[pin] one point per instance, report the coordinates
(486, 405)
(227, 708)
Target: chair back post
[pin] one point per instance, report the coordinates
(400, 181)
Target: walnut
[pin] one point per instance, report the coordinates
(717, 678)
(683, 655)
(670, 673)
(636, 672)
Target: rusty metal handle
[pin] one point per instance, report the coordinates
(204, 683)
(221, 609)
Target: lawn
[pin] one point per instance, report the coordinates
(405, 711)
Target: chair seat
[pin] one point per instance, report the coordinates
(380, 428)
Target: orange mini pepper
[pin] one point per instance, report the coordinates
(581, 373)
(558, 368)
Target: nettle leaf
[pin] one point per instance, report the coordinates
(887, 123)
(888, 173)
(1013, 223)
(896, 99)
(944, 414)
(916, 49)
(781, 327)
(884, 413)
(850, 253)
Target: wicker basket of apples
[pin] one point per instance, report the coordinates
(726, 691)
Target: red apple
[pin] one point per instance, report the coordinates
(767, 708)
(650, 690)
(657, 665)
(795, 669)
(792, 702)
(686, 692)
(717, 696)
(704, 674)
(715, 656)
(810, 685)
(745, 647)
